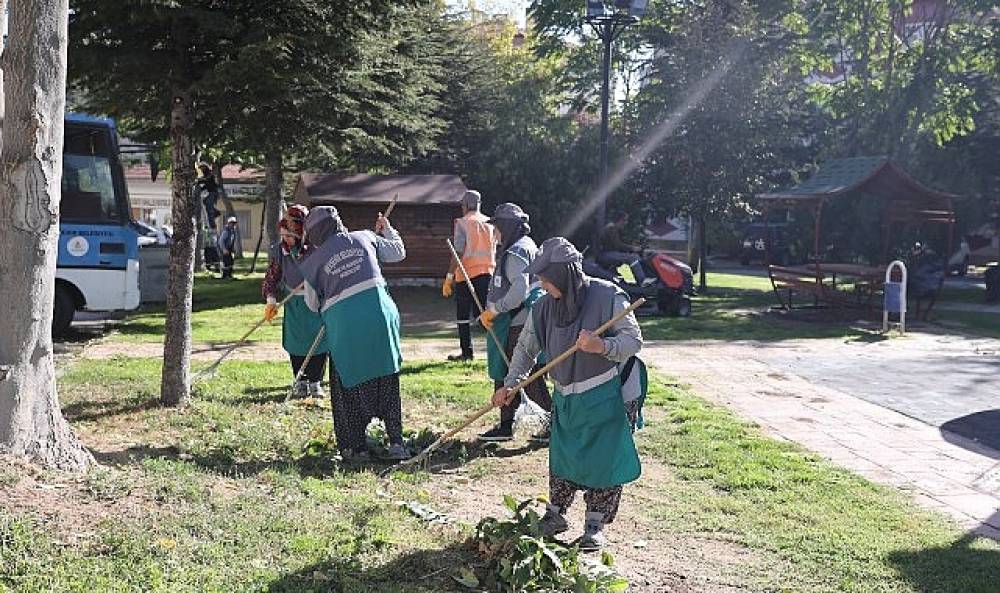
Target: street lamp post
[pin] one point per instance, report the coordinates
(609, 19)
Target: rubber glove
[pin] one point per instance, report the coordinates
(448, 288)
(270, 310)
(487, 318)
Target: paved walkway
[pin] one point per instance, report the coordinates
(946, 472)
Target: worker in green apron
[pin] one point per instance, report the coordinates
(344, 283)
(299, 325)
(512, 293)
(591, 448)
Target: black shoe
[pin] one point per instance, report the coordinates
(498, 434)
(459, 357)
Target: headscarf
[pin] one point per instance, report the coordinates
(472, 199)
(294, 229)
(512, 222)
(562, 265)
(322, 222)
(297, 213)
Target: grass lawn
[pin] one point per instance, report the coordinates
(736, 307)
(223, 310)
(221, 497)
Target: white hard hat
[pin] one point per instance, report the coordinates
(231, 220)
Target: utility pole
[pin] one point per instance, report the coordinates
(609, 20)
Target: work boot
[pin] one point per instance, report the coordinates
(316, 389)
(552, 523)
(464, 357)
(498, 434)
(397, 452)
(355, 457)
(300, 389)
(593, 533)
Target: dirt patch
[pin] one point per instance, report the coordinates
(652, 558)
(429, 349)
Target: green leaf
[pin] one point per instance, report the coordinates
(466, 578)
(510, 503)
(617, 585)
(607, 559)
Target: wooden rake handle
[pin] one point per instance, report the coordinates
(210, 369)
(524, 383)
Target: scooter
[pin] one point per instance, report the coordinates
(667, 288)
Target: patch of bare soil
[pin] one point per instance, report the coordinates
(431, 349)
(69, 507)
(650, 556)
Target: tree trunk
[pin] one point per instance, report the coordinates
(175, 382)
(702, 255)
(31, 423)
(199, 234)
(272, 195)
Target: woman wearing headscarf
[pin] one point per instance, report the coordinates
(299, 325)
(591, 448)
(344, 283)
(512, 293)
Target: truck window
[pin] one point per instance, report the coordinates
(88, 189)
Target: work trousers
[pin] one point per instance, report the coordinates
(314, 369)
(465, 308)
(227, 265)
(598, 500)
(536, 391)
(355, 407)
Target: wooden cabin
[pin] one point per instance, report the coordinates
(424, 214)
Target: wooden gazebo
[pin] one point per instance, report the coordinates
(905, 201)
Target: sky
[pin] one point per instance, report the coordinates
(515, 8)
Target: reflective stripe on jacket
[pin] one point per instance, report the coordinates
(480, 245)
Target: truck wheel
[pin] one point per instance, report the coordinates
(62, 312)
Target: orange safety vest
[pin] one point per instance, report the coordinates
(480, 245)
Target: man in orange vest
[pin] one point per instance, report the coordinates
(475, 241)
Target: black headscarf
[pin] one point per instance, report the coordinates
(512, 222)
(562, 265)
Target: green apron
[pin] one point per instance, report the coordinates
(363, 335)
(591, 442)
(299, 327)
(495, 363)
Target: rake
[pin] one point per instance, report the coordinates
(519, 387)
(527, 408)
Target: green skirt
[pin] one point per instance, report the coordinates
(362, 332)
(299, 327)
(591, 441)
(495, 363)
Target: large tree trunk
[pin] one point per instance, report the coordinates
(175, 382)
(273, 180)
(31, 423)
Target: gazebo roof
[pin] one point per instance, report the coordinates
(907, 198)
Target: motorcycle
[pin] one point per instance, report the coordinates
(667, 288)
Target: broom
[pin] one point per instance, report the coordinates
(520, 386)
(528, 411)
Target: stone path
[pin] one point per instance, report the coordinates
(943, 471)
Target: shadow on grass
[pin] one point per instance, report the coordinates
(969, 565)
(418, 571)
(85, 411)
